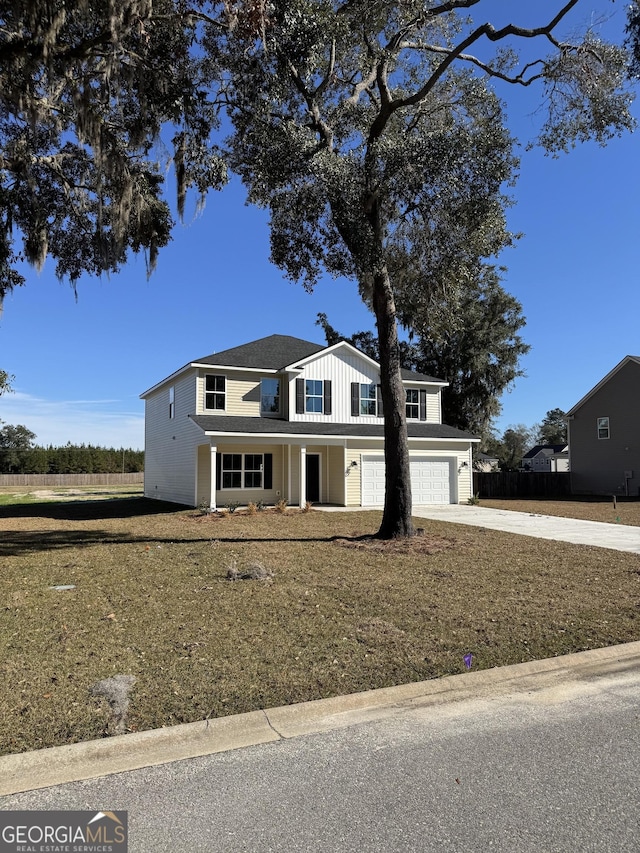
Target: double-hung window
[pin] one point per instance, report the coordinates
(603, 427)
(172, 402)
(215, 392)
(245, 471)
(368, 398)
(313, 395)
(269, 396)
(413, 404)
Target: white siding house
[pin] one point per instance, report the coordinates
(282, 418)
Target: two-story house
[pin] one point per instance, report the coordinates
(546, 458)
(604, 428)
(284, 419)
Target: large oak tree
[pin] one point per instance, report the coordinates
(371, 132)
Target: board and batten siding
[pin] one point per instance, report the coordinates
(170, 442)
(341, 369)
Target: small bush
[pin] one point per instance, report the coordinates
(474, 500)
(307, 507)
(252, 572)
(281, 506)
(252, 508)
(232, 507)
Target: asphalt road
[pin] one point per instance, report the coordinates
(541, 767)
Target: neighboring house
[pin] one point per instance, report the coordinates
(485, 464)
(547, 458)
(282, 418)
(604, 433)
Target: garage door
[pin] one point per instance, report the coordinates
(430, 481)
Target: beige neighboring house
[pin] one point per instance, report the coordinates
(485, 464)
(283, 418)
(604, 434)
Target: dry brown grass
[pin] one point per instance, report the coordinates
(342, 612)
(590, 509)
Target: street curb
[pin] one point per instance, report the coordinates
(91, 759)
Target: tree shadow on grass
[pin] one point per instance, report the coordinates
(14, 542)
(87, 510)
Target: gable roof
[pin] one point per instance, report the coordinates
(626, 360)
(551, 448)
(271, 353)
(275, 352)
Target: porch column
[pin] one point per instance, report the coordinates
(303, 477)
(212, 478)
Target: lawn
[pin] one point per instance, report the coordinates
(342, 612)
(591, 509)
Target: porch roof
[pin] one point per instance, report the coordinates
(252, 426)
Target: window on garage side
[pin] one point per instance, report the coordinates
(215, 392)
(603, 427)
(413, 404)
(172, 402)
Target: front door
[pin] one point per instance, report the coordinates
(313, 477)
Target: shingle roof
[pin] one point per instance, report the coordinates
(552, 448)
(271, 353)
(271, 426)
(277, 351)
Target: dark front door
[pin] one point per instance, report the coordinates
(313, 477)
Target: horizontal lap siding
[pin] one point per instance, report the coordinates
(244, 496)
(170, 462)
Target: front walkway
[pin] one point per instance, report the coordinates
(619, 537)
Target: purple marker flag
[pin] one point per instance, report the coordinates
(468, 660)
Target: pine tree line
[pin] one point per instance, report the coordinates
(71, 459)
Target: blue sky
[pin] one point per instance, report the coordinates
(80, 365)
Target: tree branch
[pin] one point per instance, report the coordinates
(459, 51)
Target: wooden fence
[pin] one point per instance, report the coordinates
(516, 484)
(63, 480)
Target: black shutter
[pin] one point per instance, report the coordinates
(299, 396)
(267, 471)
(218, 471)
(423, 405)
(379, 406)
(327, 396)
(355, 399)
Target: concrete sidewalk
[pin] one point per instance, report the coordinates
(619, 537)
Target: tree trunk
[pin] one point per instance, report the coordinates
(396, 520)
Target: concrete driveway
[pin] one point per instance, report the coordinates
(619, 537)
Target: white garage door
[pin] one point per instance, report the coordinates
(430, 481)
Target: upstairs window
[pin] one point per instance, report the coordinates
(413, 404)
(270, 396)
(416, 409)
(313, 396)
(172, 403)
(368, 399)
(215, 392)
(603, 427)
